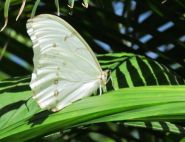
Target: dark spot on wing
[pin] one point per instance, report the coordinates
(56, 93)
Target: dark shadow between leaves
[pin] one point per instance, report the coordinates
(148, 125)
(120, 76)
(15, 84)
(12, 106)
(181, 129)
(16, 89)
(164, 126)
(38, 118)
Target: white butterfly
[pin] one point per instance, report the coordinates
(65, 67)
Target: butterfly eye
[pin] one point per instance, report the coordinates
(104, 77)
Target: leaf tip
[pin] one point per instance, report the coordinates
(5, 24)
(85, 5)
(21, 9)
(70, 6)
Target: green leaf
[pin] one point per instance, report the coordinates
(71, 3)
(6, 9)
(130, 70)
(85, 3)
(35, 8)
(58, 7)
(129, 104)
(161, 126)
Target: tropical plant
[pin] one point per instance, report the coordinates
(146, 93)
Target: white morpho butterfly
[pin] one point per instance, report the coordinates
(65, 67)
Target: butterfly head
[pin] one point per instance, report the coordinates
(104, 76)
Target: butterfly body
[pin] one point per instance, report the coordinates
(65, 67)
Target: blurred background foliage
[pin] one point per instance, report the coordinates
(151, 28)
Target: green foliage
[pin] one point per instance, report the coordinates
(139, 103)
(22, 119)
(145, 93)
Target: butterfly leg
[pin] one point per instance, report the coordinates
(100, 88)
(109, 76)
(105, 88)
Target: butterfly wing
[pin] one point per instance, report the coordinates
(65, 68)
